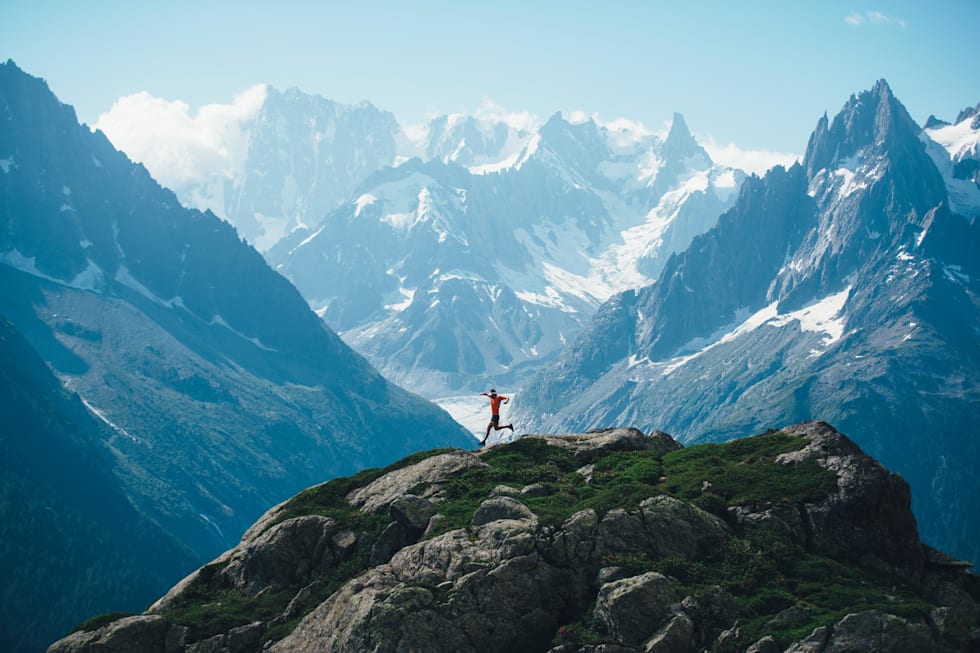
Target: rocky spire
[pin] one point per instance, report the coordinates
(872, 118)
(680, 144)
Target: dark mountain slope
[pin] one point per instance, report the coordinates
(71, 544)
(222, 392)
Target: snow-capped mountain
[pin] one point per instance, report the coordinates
(955, 149)
(450, 277)
(221, 392)
(842, 289)
(280, 160)
(480, 144)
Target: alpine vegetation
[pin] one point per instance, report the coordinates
(792, 540)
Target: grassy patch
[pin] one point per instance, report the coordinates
(98, 621)
(328, 499)
(768, 574)
(208, 607)
(744, 471)
(620, 479)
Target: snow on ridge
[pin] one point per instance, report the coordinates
(115, 427)
(91, 278)
(217, 320)
(823, 316)
(7, 164)
(363, 201)
(960, 140)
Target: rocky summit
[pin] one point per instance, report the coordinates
(609, 541)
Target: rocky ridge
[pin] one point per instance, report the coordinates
(793, 540)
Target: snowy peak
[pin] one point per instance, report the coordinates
(955, 149)
(579, 145)
(479, 144)
(871, 121)
(680, 144)
(970, 112)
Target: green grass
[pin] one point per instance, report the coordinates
(98, 621)
(744, 471)
(208, 607)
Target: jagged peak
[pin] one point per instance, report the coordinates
(873, 119)
(968, 113)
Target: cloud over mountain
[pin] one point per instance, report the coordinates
(177, 144)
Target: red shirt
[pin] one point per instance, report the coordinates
(495, 403)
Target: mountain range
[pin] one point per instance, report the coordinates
(613, 275)
(451, 279)
(465, 253)
(844, 287)
(217, 391)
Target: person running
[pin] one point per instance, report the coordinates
(495, 401)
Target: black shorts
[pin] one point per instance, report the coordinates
(495, 419)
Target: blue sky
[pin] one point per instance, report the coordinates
(757, 74)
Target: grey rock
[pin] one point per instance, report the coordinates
(461, 591)
(796, 615)
(243, 639)
(502, 507)
(138, 633)
(586, 472)
(612, 574)
(812, 643)
(675, 637)
(383, 491)
(633, 608)
(412, 512)
(877, 632)
(868, 518)
(663, 526)
(588, 446)
(536, 490)
(765, 645)
(780, 518)
(287, 554)
(389, 542)
(575, 543)
(712, 611)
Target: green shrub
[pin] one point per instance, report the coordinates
(98, 621)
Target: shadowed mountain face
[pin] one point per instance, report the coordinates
(71, 543)
(220, 392)
(843, 289)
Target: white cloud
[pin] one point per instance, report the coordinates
(859, 18)
(519, 120)
(177, 146)
(757, 161)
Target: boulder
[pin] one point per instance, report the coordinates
(674, 637)
(502, 507)
(380, 493)
(632, 609)
(869, 519)
(662, 526)
(126, 635)
(586, 447)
